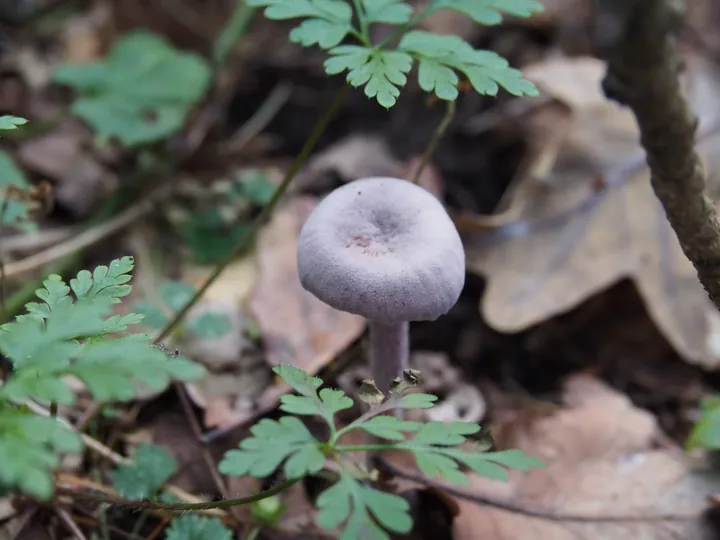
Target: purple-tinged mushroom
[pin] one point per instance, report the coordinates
(385, 249)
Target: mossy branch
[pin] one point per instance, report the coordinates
(642, 73)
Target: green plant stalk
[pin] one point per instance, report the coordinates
(232, 33)
(142, 519)
(266, 212)
(254, 533)
(364, 28)
(335, 435)
(180, 507)
(401, 30)
(435, 140)
(365, 447)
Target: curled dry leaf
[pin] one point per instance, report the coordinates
(594, 220)
(602, 465)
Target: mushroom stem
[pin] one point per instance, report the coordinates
(388, 352)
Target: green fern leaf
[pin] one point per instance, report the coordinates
(488, 12)
(440, 55)
(30, 448)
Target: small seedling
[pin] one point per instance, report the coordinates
(353, 501)
(382, 67)
(141, 92)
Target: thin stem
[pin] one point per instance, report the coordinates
(389, 351)
(364, 447)
(364, 27)
(70, 525)
(401, 30)
(254, 533)
(266, 212)
(362, 39)
(140, 522)
(388, 405)
(437, 135)
(179, 507)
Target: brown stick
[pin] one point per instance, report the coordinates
(642, 73)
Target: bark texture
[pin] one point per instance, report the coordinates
(638, 43)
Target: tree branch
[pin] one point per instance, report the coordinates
(642, 73)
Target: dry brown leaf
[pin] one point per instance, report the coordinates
(361, 156)
(602, 463)
(296, 327)
(81, 183)
(237, 374)
(595, 220)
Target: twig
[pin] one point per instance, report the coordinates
(100, 449)
(204, 450)
(37, 240)
(435, 140)
(69, 483)
(253, 534)
(249, 235)
(87, 237)
(70, 524)
(260, 119)
(516, 508)
(177, 507)
(25, 520)
(642, 73)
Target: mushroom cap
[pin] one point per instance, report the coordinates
(382, 248)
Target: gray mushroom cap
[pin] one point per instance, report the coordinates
(382, 248)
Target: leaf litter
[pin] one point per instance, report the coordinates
(607, 476)
(290, 328)
(593, 219)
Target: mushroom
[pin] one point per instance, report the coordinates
(385, 249)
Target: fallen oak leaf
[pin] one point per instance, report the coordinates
(604, 477)
(296, 327)
(594, 221)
